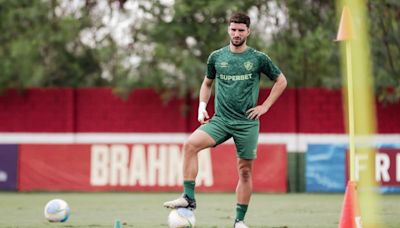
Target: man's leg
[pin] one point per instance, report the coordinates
(246, 138)
(244, 189)
(196, 142)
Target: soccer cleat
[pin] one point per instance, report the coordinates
(182, 202)
(239, 224)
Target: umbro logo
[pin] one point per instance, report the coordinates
(223, 64)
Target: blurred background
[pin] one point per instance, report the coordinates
(100, 95)
(164, 44)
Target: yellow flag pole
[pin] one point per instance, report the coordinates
(350, 216)
(361, 119)
(350, 97)
(345, 34)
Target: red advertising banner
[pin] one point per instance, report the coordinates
(54, 167)
(142, 167)
(387, 167)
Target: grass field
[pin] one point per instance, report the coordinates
(214, 210)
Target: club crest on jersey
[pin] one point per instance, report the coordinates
(248, 65)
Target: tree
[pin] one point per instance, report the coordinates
(385, 44)
(165, 46)
(40, 48)
(183, 36)
(304, 45)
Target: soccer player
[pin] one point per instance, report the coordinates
(236, 69)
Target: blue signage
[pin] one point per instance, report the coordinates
(325, 168)
(8, 167)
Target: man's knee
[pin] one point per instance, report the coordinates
(245, 173)
(197, 141)
(190, 147)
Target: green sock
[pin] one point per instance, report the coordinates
(241, 210)
(188, 187)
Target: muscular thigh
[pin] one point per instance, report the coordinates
(217, 130)
(200, 139)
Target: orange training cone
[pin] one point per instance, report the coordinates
(350, 217)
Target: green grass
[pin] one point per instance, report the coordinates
(95, 210)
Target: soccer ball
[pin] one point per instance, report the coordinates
(56, 210)
(181, 218)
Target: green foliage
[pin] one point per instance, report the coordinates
(304, 47)
(385, 39)
(171, 43)
(37, 48)
(183, 43)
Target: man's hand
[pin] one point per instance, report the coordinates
(202, 116)
(256, 112)
(277, 89)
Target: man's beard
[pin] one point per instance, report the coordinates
(238, 44)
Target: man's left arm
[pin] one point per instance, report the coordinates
(276, 91)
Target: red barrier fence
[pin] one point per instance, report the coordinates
(99, 110)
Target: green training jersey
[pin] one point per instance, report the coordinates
(237, 77)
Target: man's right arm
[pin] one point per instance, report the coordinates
(204, 97)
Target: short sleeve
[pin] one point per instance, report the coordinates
(211, 72)
(269, 68)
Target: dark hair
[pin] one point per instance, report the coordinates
(240, 18)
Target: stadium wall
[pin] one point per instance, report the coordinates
(97, 115)
(59, 110)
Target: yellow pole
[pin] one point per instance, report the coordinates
(350, 100)
(345, 34)
(361, 116)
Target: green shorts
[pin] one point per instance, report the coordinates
(244, 134)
